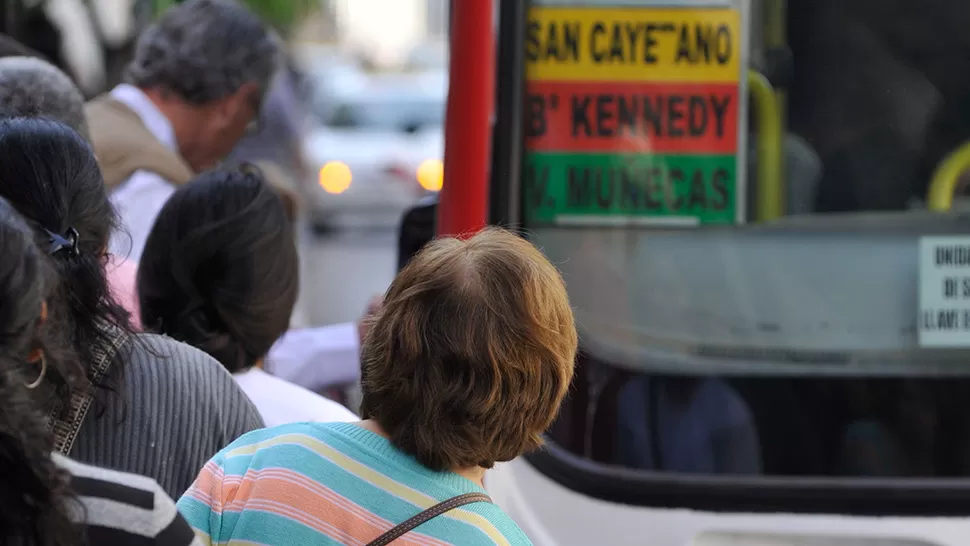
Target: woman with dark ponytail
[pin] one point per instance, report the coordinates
(220, 272)
(139, 403)
(47, 499)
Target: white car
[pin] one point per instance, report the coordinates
(378, 149)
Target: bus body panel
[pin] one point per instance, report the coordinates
(552, 515)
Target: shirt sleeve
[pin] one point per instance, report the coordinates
(173, 529)
(202, 505)
(315, 358)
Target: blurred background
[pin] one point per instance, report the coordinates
(355, 121)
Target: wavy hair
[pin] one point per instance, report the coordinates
(471, 352)
(48, 172)
(36, 502)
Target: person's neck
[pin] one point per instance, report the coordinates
(475, 474)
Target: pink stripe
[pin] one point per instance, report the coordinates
(287, 511)
(299, 486)
(315, 487)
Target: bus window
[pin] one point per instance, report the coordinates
(784, 350)
(713, 344)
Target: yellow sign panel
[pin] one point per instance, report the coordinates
(623, 44)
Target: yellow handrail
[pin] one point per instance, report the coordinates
(770, 178)
(775, 22)
(943, 185)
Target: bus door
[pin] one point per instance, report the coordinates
(745, 378)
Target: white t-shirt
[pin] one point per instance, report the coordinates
(281, 402)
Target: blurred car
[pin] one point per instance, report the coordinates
(430, 55)
(377, 149)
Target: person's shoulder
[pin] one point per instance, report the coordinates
(265, 437)
(171, 362)
(130, 495)
(81, 472)
(493, 526)
(191, 376)
(283, 402)
(303, 434)
(281, 446)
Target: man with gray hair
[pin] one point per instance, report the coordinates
(32, 87)
(195, 85)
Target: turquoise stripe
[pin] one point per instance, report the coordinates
(321, 470)
(446, 527)
(196, 513)
(364, 448)
(370, 497)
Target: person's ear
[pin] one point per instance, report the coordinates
(38, 354)
(245, 101)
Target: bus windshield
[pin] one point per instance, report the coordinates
(747, 203)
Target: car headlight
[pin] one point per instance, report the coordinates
(335, 177)
(431, 174)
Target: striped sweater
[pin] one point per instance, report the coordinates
(332, 484)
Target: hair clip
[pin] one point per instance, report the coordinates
(63, 242)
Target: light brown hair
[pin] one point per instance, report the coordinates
(471, 353)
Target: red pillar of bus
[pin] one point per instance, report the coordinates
(463, 200)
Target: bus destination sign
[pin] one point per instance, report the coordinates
(634, 116)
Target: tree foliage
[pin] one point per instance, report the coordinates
(281, 14)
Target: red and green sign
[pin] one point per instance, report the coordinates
(634, 116)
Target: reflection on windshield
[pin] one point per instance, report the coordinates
(778, 426)
(718, 340)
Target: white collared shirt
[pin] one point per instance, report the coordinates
(140, 198)
(310, 357)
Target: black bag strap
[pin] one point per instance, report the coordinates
(429, 514)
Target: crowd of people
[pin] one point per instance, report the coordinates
(146, 352)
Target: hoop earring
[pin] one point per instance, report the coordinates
(40, 378)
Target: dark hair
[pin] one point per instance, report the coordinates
(49, 174)
(220, 269)
(35, 501)
(470, 353)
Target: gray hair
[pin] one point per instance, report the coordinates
(204, 50)
(32, 87)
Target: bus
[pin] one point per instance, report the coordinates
(755, 205)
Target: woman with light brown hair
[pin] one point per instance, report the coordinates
(465, 366)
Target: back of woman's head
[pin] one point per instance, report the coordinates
(471, 352)
(34, 497)
(220, 269)
(49, 174)
(25, 278)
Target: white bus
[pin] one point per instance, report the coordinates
(751, 205)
